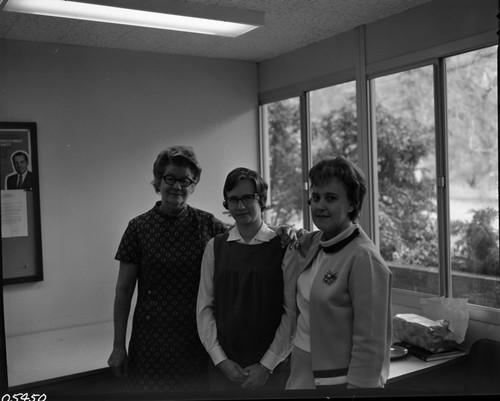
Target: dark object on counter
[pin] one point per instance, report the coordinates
(428, 356)
(398, 351)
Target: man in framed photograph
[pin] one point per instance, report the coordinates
(22, 178)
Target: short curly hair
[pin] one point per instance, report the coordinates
(181, 156)
(345, 171)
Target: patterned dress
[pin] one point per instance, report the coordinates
(165, 353)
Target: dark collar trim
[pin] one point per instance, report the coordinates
(341, 244)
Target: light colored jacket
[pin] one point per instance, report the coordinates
(350, 313)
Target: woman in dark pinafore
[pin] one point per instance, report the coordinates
(246, 301)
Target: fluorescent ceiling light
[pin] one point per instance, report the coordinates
(186, 17)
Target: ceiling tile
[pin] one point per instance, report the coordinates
(289, 25)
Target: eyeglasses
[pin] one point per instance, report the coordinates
(246, 199)
(184, 182)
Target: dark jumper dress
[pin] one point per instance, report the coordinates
(165, 352)
(248, 299)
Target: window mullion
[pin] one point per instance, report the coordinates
(305, 133)
(442, 178)
(367, 142)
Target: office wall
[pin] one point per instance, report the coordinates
(309, 67)
(103, 116)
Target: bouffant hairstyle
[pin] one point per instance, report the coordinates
(345, 171)
(180, 156)
(242, 173)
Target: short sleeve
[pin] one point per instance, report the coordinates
(211, 226)
(129, 250)
(218, 227)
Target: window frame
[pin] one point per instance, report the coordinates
(364, 75)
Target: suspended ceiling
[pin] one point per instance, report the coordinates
(289, 25)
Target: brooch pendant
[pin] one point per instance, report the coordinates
(330, 277)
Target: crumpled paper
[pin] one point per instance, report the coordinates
(453, 310)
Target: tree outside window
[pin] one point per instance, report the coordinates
(404, 120)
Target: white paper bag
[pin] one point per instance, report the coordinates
(454, 310)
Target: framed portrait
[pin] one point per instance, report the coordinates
(20, 206)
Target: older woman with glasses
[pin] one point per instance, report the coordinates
(161, 250)
(246, 299)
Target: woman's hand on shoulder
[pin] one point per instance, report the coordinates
(289, 235)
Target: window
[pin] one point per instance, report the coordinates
(331, 130)
(472, 89)
(411, 238)
(283, 173)
(438, 216)
(334, 127)
(405, 132)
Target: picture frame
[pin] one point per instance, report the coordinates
(20, 204)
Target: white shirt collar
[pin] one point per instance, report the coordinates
(265, 234)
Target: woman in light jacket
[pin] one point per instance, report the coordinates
(344, 326)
